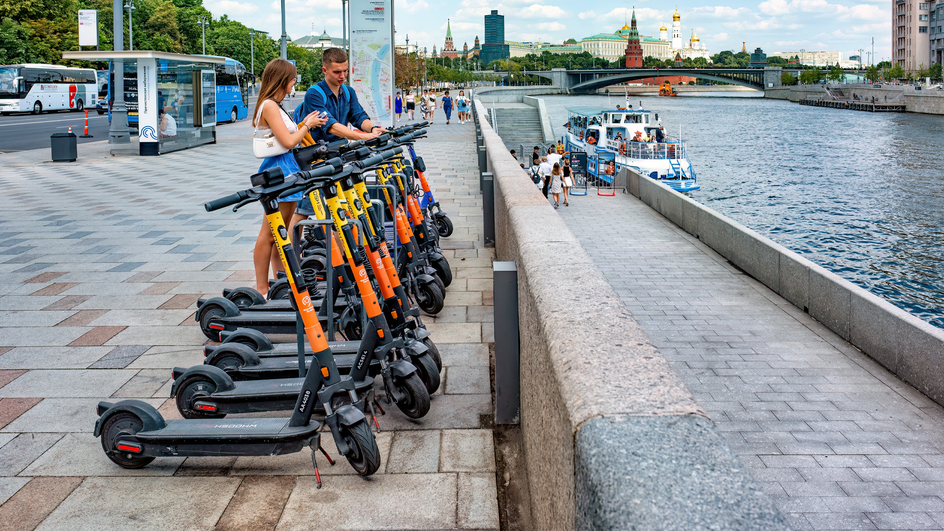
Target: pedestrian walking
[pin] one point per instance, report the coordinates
(269, 118)
(462, 106)
(398, 105)
(410, 104)
(431, 105)
(556, 184)
(447, 106)
(568, 180)
(545, 169)
(424, 105)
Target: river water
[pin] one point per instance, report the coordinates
(861, 194)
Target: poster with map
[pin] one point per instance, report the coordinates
(372, 58)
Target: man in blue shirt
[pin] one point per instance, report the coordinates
(339, 101)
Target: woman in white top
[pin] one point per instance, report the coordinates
(278, 79)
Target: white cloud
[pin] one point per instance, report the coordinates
(761, 25)
(550, 26)
(465, 26)
(586, 14)
(415, 7)
(230, 7)
(721, 11)
(866, 12)
(717, 37)
(540, 10)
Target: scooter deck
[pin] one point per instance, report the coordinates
(279, 350)
(253, 396)
(256, 436)
(287, 367)
(265, 322)
(284, 305)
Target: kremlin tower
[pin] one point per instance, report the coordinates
(449, 50)
(633, 48)
(676, 31)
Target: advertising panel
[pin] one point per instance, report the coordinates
(371, 59)
(147, 107)
(88, 27)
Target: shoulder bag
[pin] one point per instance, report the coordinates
(265, 145)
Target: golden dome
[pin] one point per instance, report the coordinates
(625, 27)
(695, 37)
(663, 28)
(676, 17)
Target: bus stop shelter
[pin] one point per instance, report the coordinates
(171, 97)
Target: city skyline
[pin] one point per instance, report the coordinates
(774, 25)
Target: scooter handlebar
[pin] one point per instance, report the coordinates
(223, 202)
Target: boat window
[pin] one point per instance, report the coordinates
(617, 118)
(647, 118)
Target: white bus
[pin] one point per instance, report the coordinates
(36, 88)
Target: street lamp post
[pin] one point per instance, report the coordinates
(130, 8)
(202, 20)
(284, 54)
(118, 129)
(252, 57)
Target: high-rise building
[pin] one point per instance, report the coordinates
(449, 50)
(936, 33)
(494, 47)
(633, 48)
(911, 43)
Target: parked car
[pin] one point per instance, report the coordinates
(877, 85)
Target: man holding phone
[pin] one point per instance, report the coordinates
(338, 101)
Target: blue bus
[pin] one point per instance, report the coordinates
(232, 92)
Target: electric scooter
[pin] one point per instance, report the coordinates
(133, 433)
(400, 378)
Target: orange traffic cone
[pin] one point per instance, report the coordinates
(70, 129)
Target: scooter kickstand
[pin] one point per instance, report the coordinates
(373, 415)
(314, 463)
(328, 457)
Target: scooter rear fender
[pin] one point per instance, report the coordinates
(150, 418)
(217, 375)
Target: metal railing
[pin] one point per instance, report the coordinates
(648, 150)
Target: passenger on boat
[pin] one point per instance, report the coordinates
(637, 137)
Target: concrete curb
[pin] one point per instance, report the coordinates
(585, 361)
(904, 344)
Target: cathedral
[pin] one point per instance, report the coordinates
(694, 47)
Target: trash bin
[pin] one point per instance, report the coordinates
(64, 147)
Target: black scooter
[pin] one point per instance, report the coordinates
(133, 433)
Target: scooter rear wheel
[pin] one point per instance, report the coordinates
(119, 424)
(426, 368)
(365, 456)
(193, 389)
(208, 314)
(415, 403)
(429, 298)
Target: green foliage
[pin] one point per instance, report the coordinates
(786, 78)
(835, 74)
(811, 76)
(896, 72)
(776, 61)
(14, 43)
(935, 71)
(884, 64)
(27, 10)
(872, 73)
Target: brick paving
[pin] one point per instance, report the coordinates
(102, 261)
(835, 439)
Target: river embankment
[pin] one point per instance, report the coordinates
(916, 99)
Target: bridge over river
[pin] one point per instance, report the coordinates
(586, 81)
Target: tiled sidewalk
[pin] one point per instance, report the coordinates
(834, 438)
(102, 261)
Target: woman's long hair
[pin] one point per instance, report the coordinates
(275, 78)
(556, 170)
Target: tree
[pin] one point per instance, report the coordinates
(811, 76)
(896, 72)
(786, 78)
(776, 61)
(872, 73)
(836, 74)
(14, 43)
(935, 71)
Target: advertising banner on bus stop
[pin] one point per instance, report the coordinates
(88, 27)
(147, 107)
(372, 74)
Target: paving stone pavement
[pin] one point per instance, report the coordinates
(835, 439)
(102, 262)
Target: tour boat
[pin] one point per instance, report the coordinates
(607, 138)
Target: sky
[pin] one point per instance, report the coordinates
(773, 25)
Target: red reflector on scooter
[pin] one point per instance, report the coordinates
(206, 407)
(129, 447)
(217, 327)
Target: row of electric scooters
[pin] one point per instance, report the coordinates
(343, 276)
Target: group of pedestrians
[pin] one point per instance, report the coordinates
(429, 104)
(551, 172)
(329, 112)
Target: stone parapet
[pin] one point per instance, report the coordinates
(904, 344)
(612, 437)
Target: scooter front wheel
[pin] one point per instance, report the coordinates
(433, 352)
(429, 298)
(118, 425)
(443, 271)
(364, 456)
(415, 403)
(444, 226)
(426, 368)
